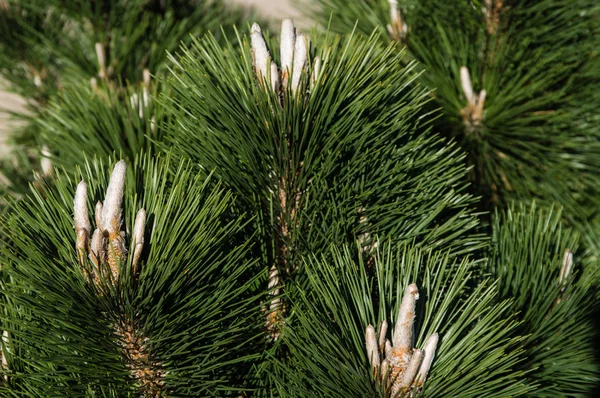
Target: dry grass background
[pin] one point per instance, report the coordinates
(273, 9)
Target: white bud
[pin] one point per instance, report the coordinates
(111, 213)
(402, 338)
(5, 345)
(316, 72)
(260, 52)
(288, 43)
(395, 16)
(101, 60)
(372, 348)
(411, 369)
(388, 349)
(480, 104)
(382, 332)
(97, 248)
(300, 57)
(98, 215)
(567, 265)
(465, 80)
(81, 220)
(428, 356)
(146, 77)
(46, 163)
(138, 237)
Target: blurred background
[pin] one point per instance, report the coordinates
(271, 9)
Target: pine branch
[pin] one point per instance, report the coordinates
(537, 263)
(327, 337)
(185, 324)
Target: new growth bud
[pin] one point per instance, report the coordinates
(567, 265)
(400, 367)
(101, 60)
(372, 348)
(473, 112)
(294, 52)
(403, 331)
(45, 162)
(138, 238)
(300, 57)
(260, 53)
(81, 221)
(107, 246)
(288, 43)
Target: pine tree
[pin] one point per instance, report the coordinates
(286, 222)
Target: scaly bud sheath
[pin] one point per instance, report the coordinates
(101, 60)
(428, 356)
(111, 213)
(402, 339)
(98, 215)
(288, 43)
(138, 237)
(81, 221)
(567, 264)
(406, 379)
(388, 349)
(314, 77)
(382, 332)
(385, 368)
(111, 217)
(260, 53)
(372, 348)
(97, 248)
(300, 57)
(45, 162)
(465, 81)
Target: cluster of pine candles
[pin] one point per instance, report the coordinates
(403, 204)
